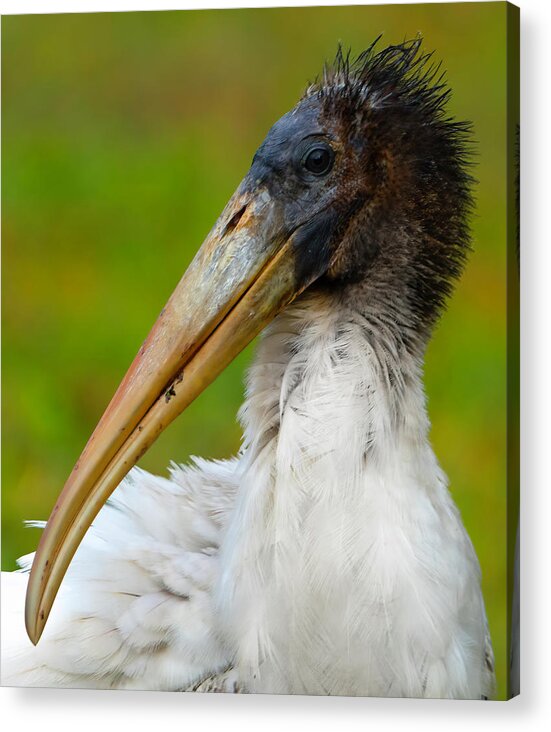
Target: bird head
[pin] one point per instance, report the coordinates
(372, 178)
(361, 188)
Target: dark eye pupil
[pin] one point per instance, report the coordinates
(318, 161)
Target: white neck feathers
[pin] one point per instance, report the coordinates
(339, 489)
(330, 382)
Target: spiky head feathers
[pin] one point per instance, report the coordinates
(388, 108)
(373, 178)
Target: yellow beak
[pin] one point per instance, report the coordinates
(243, 275)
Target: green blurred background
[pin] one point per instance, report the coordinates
(123, 137)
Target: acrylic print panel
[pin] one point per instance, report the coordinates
(370, 244)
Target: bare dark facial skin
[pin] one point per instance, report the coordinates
(318, 178)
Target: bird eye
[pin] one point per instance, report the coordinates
(319, 160)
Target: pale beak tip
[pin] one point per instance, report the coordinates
(34, 624)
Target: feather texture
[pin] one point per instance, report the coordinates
(328, 558)
(135, 610)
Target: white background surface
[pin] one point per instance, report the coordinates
(44, 709)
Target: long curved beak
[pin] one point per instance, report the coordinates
(243, 275)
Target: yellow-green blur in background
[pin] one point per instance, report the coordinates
(123, 137)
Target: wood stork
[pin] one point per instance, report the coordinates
(328, 557)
